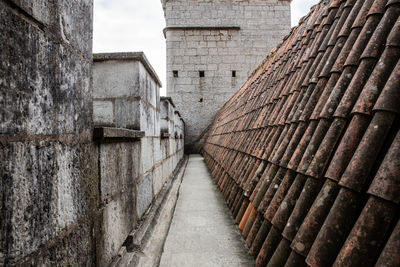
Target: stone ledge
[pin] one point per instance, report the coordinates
(134, 56)
(111, 133)
(200, 28)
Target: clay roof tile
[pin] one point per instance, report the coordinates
(389, 99)
(386, 183)
(390, 255)
(317, 124)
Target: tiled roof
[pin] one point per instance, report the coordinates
(307, 152)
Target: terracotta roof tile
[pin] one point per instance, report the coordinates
(389, 99)
(386, 183)
(390, 255)
(306, 152)
(347, 146)
(335, 228)
(367, 235)
(358, 170)
(303, 203)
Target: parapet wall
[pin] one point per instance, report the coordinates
(48, 186)
(73, 190)
(145, 147)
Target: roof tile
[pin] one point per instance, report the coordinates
(367, 235)
(386, 183)
(295, 150)
(390, 256)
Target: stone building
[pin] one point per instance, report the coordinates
(212, 47)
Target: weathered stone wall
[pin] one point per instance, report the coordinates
(132, 172)
(217, 37)
(67, 200)
(48, 186)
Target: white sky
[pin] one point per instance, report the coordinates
(136, 25)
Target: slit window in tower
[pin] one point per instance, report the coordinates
(234, 73)
(175, 72)
(201, 73)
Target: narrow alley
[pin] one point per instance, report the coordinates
(203, 232)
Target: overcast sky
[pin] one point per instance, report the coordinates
(136, 25)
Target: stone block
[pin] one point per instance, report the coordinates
(165, 147)
(119, 167)
(147, 119)
(118, 220)
(164, 116)
(103, 113)
(49, 189)
(149, 90)
(127, 114)
(44, 11)
(157, 123)
(172, 146)
(147, 154)
(158, 180)
(166, 169)
(158, 156)
(76, 23)
(62, 18)
(113, 79)
(144, 194)
(75, 249)
(46, 88)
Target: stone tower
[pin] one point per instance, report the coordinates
(212, 47)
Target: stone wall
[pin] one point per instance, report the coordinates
(72, 191)
(217, 37)
(48, 186)
(133, 168)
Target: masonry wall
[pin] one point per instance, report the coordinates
(132, 170)
(48, 185)
(217, 37)
(71, 190)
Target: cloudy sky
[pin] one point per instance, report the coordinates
(136, 25)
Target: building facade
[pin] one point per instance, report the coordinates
(212, 46)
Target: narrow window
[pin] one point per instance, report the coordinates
(201, 100)
(201, 73)
(175, 72)
(234, 73)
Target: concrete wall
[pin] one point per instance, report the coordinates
(216, 37)
(132, 172)
(48, 185)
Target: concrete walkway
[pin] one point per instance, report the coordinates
(203, 232)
